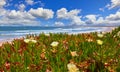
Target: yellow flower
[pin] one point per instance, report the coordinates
(100, 35)
(73, 53)
(72, 67)
(99, 42)
(54, 44)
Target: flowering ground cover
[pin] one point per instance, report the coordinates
(87, 52)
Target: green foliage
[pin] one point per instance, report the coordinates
(42, 57)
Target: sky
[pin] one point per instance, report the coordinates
(59, 12)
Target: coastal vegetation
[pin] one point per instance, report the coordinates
(62, 52)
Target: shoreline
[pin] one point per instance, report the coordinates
(11, 39)
(5, 41)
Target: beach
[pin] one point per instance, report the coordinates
(10, 37)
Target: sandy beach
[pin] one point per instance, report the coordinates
(10, 40)
(2, 42)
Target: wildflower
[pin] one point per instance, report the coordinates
(100, 35)
(47, 35)
(73, 53)
(26, 40)
(118, 34)
(89, 40)
(28, 67)
(65, 42)
(48, 70)
(7, 65)
(43, 50)
(33, 41)
(54, 51)
(30, 40)
(106, 64)
(54, 44)
(42, 55)
(99, 42)
(72, 67)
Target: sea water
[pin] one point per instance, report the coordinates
(11, 32)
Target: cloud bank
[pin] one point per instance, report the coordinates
(35, 16)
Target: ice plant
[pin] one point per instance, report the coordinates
(26, 40)
(54, 44)
(100, 35)
(89, 40)
(73, 53)
(30, 40)
(72, 67)
(33, 41)
(47, 35)
(118, 34)
(7, 65)
(99, 42)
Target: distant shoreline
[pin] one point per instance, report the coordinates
(11, 39)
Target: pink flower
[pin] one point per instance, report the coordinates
(73, 53)
(7, 65)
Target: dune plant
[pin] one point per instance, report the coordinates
(62, 52)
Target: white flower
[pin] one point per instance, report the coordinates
(100, 35)
(89, 40)
(118, 34)
(72, 68)
(47, 35)
(99, 42)
(26, 40)
(33, 41)
(73, 53)
(30, 40)
(54, 44)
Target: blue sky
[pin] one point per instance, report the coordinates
(59, 12)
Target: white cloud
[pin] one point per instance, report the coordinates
(112, 19)
(71, 15)
(64, 14)
(100, 20)
(25, 17)
(19, 15)
(32, 2)
(7, 21)
(21, 7)
(114, 4)
(2, 11)
(59, 24)
(42, 13)
(91, 19)
(29, 2)
(40, 3)
(2, 3)
(101, 9)
(115, 16)
(77, 21)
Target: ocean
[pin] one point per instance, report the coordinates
(11, 32)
